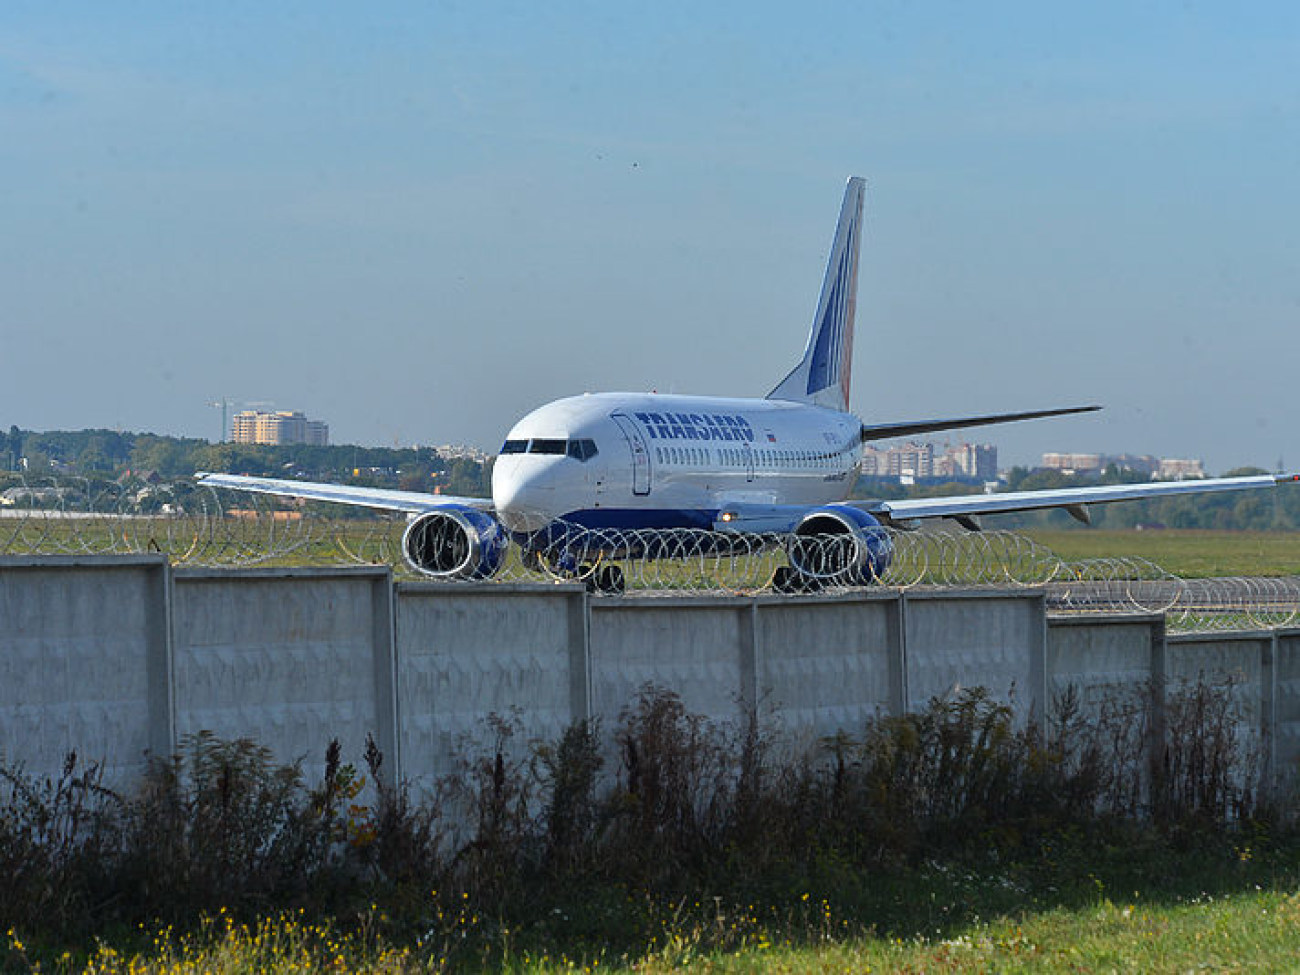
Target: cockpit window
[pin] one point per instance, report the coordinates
(582, 449)
(541, 446)
(514, 447)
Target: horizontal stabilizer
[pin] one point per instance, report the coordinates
(885, 431)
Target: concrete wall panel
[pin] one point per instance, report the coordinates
(83, 662)
(958, 640)
(289, 658)
(1244, 663)
(825, 666)
(1101, 658)
(1286, 707)
(467, 653)
(694, 647)
(1238, 659)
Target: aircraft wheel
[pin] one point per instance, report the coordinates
(608, 580)
(783, 579)
(788, 580)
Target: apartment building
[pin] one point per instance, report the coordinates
(280, 428)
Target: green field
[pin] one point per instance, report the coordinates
(1254, 931)
(1188, 554)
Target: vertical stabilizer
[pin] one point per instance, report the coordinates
(822, 377)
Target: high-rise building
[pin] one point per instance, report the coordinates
(923, 460)
(1173, 469)
(978, 460)
(281, 428)
(1165, 469)
(1073, 463)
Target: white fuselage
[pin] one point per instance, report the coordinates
(645, 460)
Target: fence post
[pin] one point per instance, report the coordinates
(384, 654)
(749, 650)
(1039, 700)
(1159, 687)
(160, 664)
(580, 676)
(896, 630)
(1268, 785)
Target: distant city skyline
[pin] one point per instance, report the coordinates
(421, 221)
(942, 457)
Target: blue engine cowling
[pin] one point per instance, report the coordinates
(455, 542)
(839, 544)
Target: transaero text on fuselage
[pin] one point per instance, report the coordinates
(697, 426)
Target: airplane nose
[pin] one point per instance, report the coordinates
(524, 502)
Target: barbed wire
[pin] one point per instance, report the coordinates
(198, 527)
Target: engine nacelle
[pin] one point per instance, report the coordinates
(840, 545)
(455, 542)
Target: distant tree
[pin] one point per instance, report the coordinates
(467, 478)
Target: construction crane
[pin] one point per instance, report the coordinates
(225, 404)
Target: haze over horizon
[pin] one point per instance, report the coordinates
(419, 222)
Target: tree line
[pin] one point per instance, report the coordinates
(1277, 509)
(111, 454)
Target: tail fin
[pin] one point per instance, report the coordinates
(822, 377)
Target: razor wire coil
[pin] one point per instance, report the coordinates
(88, 519)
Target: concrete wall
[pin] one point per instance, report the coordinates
(292, 658)
(116, 657)
(1119, 657)
(1243, 664)
(827, 665)
(1284, 706)
(464, 653)
(84, 662)
(701, 649)
(996, 640)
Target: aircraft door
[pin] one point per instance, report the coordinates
(748, 452)
(640, 453)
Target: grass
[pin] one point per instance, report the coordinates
(1186, 553)
(1254, 930)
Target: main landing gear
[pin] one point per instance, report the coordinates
(788, 580)
(607, 580)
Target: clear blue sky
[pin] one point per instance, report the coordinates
(417, 221)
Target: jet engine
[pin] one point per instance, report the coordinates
(838, 545)
(455, 542)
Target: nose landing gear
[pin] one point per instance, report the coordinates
(563, 566)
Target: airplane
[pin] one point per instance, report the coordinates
(576, 474)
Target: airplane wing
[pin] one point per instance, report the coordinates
(965, 508)
(746, 516)
(408, 501)
(884, 431)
